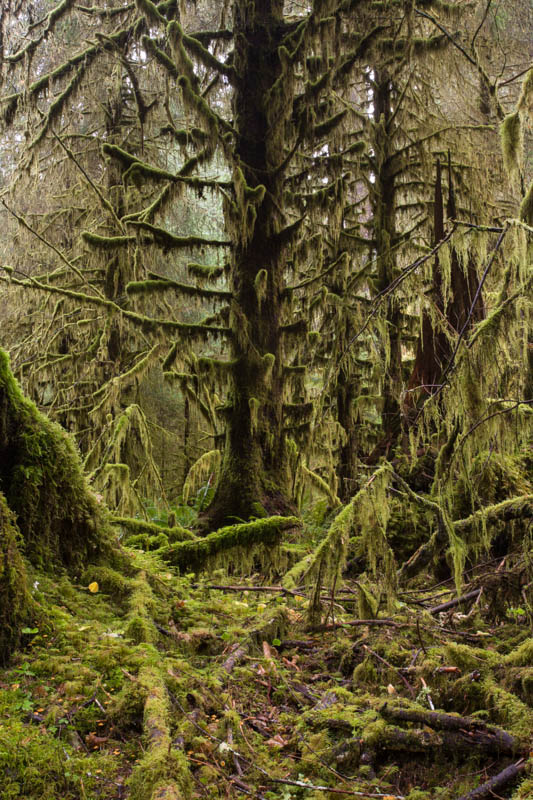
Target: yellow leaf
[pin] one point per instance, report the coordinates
(93, 587)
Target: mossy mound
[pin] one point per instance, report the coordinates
(16, 604)
(43, 483)
(47, 512)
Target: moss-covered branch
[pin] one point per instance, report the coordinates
(156, 284)
(134, 526)
(169, 241)
(195, 556)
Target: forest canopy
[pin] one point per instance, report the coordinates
(265, 286)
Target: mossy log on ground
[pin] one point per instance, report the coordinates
(478, 733)
(195, 556)
(17, 607)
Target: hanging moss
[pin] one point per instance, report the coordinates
(511, 136)
(203, 472)
(205, 271)
(319, 483)
(526, 206)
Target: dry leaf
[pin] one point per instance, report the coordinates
(277, 741)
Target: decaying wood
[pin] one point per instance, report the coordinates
(471, 731)
(237, 654)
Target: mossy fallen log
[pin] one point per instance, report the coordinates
(474, 731)
(235, 543)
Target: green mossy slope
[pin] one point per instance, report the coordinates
(47, 513)
(16, 604)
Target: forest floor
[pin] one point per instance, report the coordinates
(156, 686)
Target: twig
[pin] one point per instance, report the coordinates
(420, 636)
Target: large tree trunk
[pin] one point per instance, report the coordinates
(385, 238)
(254, 470)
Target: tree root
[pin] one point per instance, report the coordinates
(162, 773)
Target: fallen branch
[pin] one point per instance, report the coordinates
(489, 789)
(457, 601)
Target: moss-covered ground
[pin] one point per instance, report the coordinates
(148, 684)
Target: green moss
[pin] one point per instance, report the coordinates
(522, 656)
(195, 556)
(140, 626)
(365, 674)
(469, 658)
(511, 138)
(139, 630)
(16, 605)
(509, 711)
(176, 533)
(526, 207)
(161, 767)
(108, 580)
(145, 542)
(106, 242)
(41, 477)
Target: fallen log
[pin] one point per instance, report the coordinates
(472, 731)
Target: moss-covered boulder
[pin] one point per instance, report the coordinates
(43, 483)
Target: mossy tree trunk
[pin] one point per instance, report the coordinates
(385, 236)
(254, 471)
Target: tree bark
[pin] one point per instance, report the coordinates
(254, 479)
